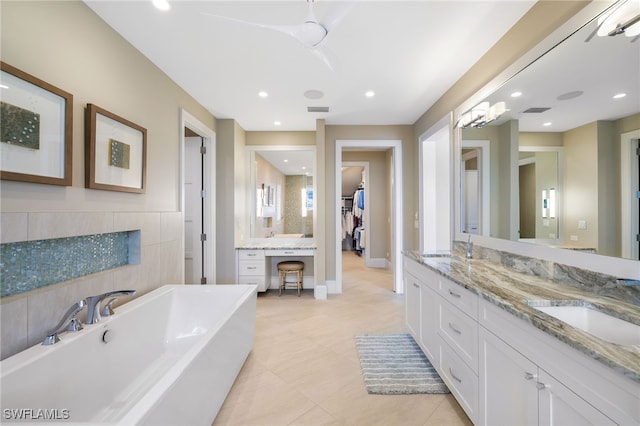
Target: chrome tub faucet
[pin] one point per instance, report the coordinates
(93, 304)
(68, 322)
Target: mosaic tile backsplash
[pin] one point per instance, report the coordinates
(28, 265)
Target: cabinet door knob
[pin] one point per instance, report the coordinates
(529, 376)
(416, 285)
(541, 386)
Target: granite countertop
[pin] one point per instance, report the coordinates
(277, 245)
(511, 290)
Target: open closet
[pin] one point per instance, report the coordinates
(352, 209)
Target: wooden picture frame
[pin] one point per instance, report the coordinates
(115, 152)
(36, 122)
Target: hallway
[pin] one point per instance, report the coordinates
(304, 368)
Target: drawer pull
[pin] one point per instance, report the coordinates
(529, 376)
(416, 285)
(289, 252)
(457, 379)
(251, 255)
(541, 386)
(454, 328)
(252, 267)
(454, 294)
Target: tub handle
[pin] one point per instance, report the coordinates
(68, 322)
(108, 308)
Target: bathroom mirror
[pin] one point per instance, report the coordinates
(578, 107)
(282, 190)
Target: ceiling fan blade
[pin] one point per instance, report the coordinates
(338, 11)
(325, 56)
(309, 33)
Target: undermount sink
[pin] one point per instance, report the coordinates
(589, 319)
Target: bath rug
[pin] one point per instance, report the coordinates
(394, 364)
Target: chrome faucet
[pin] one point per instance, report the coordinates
(469, 248)
(627, 282)
(68, 322)
(93, 304)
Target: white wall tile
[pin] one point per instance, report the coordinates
(13, 327)
(147, 223)
(13, 227)
(68, 224)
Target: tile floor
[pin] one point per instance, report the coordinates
(304, 368)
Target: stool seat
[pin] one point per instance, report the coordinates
(290, 267)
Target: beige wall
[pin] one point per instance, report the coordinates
(67, 45)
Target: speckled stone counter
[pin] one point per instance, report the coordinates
(510, 290)
(277, 245)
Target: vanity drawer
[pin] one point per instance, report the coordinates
(292, 252)
(461, 332)
(251, 254)
(250, 267)
(462, 382)
(459, 297)
(253, 280)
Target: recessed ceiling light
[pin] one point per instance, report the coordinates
(161, 4)
(547, 124)
(276, 123)
(370, 93)
(313, 94)
(3, 86)
(304, 168)
(285, 160)
(516, 94)
(263, 94)
(620, 95)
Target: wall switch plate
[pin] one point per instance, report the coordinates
(574, 238)
(582, 224)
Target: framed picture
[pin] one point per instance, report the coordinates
(115, 152)
(35, 129)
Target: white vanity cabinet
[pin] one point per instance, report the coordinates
(527, 377)
(503, 370)
(251, 268)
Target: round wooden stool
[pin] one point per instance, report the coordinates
(290, 267)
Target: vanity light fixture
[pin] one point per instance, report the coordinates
(161, 4)
(277, 123)
(516, 94)
(549, 203)
(625, 18)
(545, 203)
(370, 93)
(481, 115)
(263, 94)
(3, 86)
(619, 96)
(547, 124)
(303, 202)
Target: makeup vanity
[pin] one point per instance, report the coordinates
(257, 263)
(280, 222)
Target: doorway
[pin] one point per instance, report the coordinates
(197, 177)
(395, 211)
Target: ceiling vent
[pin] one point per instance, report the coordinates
(317, 109)
(535, 110)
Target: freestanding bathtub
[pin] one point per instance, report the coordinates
(170, 357)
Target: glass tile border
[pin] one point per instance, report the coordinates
(28, 265)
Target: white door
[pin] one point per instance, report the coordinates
(193, 215)
(508, 391)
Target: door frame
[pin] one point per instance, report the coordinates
(628, 185)
(189, 121)
(396, 212)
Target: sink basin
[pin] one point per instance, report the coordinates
(589, 319)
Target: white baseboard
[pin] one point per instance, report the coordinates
(332, 286)
(380, 262)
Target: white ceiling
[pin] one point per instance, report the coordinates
(408, 52)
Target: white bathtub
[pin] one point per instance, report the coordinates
(172, 357)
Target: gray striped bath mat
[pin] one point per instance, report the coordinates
(395, 364)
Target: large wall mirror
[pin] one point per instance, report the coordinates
(550, 157)
(282, 192)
